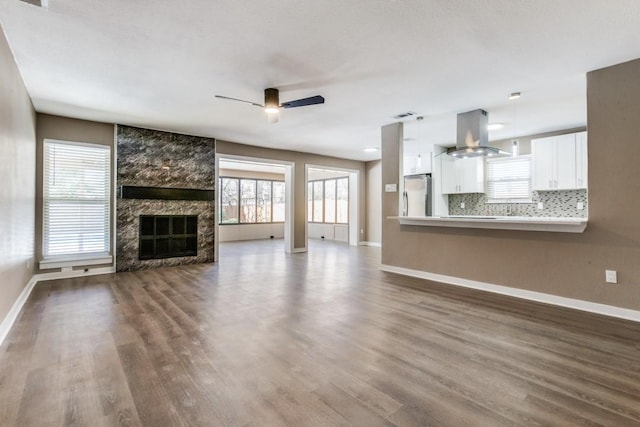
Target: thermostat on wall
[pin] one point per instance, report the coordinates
(390, 188)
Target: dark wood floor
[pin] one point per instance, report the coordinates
(317, 339)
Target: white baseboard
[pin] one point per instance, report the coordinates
(12, 316)
(375, 244)
(592, 307)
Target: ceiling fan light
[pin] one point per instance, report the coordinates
(271, 100)
(273, 116)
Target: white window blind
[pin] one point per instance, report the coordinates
(509, 178)
(76, 199)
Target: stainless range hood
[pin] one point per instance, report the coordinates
(473, 136)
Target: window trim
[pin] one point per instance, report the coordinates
(238, 179)
(82, 258)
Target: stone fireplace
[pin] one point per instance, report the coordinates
(166, 203)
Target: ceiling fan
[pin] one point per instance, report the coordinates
(272, 104)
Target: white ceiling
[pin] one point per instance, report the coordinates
(157, 64)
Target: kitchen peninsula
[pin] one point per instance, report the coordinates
(525, 223)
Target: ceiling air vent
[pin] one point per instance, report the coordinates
(39, 3)
(404, 115)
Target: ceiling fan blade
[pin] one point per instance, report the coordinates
(303, 102)
(239, 100)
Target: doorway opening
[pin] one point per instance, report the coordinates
(253, 201)
(332, 204)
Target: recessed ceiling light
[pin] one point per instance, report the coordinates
(494, 126)
(371, 149)
(514, 95)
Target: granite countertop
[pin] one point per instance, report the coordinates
(527, 223)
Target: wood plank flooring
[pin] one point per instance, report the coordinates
(322, 338)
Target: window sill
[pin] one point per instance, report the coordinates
(75, 261)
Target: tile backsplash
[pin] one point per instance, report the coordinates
(555, 204)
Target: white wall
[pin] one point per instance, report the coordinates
(338, 232)
(17, 182)
(374, 201)
(230, 233)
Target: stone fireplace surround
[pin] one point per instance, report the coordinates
(149, 158)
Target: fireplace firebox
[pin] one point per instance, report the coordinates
(168, 236)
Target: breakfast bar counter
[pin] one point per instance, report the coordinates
(553, 224)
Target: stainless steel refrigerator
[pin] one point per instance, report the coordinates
(417, 195)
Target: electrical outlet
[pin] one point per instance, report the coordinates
(540, 206)
(66, 269)
(580, 206)
(462, 205)
(611, 276)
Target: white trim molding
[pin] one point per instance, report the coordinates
(591, 307)
(375, 244)
(12, 316)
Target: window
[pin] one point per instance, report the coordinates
(509, 179)
(278, 204)
(318, 198)
(263, 201)
(229, 201)
(328, 201)
(342, 208)
(247, 200)
(76, 198)
(251, 201)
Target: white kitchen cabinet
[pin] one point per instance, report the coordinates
(554, 163)
(581, 160)
(417, 164)
(417, 158)
(461, 176)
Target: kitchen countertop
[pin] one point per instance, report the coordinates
(527, 223)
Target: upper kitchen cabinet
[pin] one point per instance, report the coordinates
(559, 162)
(581, 160)
(462, 175)
(417, 164)
(416, 158)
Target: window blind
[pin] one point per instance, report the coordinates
(509, 178)
(76, 199)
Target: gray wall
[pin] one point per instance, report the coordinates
(17, 175)
(67, 129)
(567, 265)
(374, 201)
(300, 160)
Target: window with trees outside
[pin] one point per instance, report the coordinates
(251, 201)
(328, 201)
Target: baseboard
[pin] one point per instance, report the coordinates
(298, 250)
(374, 244)
(12, 316)
(591, 307)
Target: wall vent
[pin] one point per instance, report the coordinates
(39, 3)
(404, 115)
